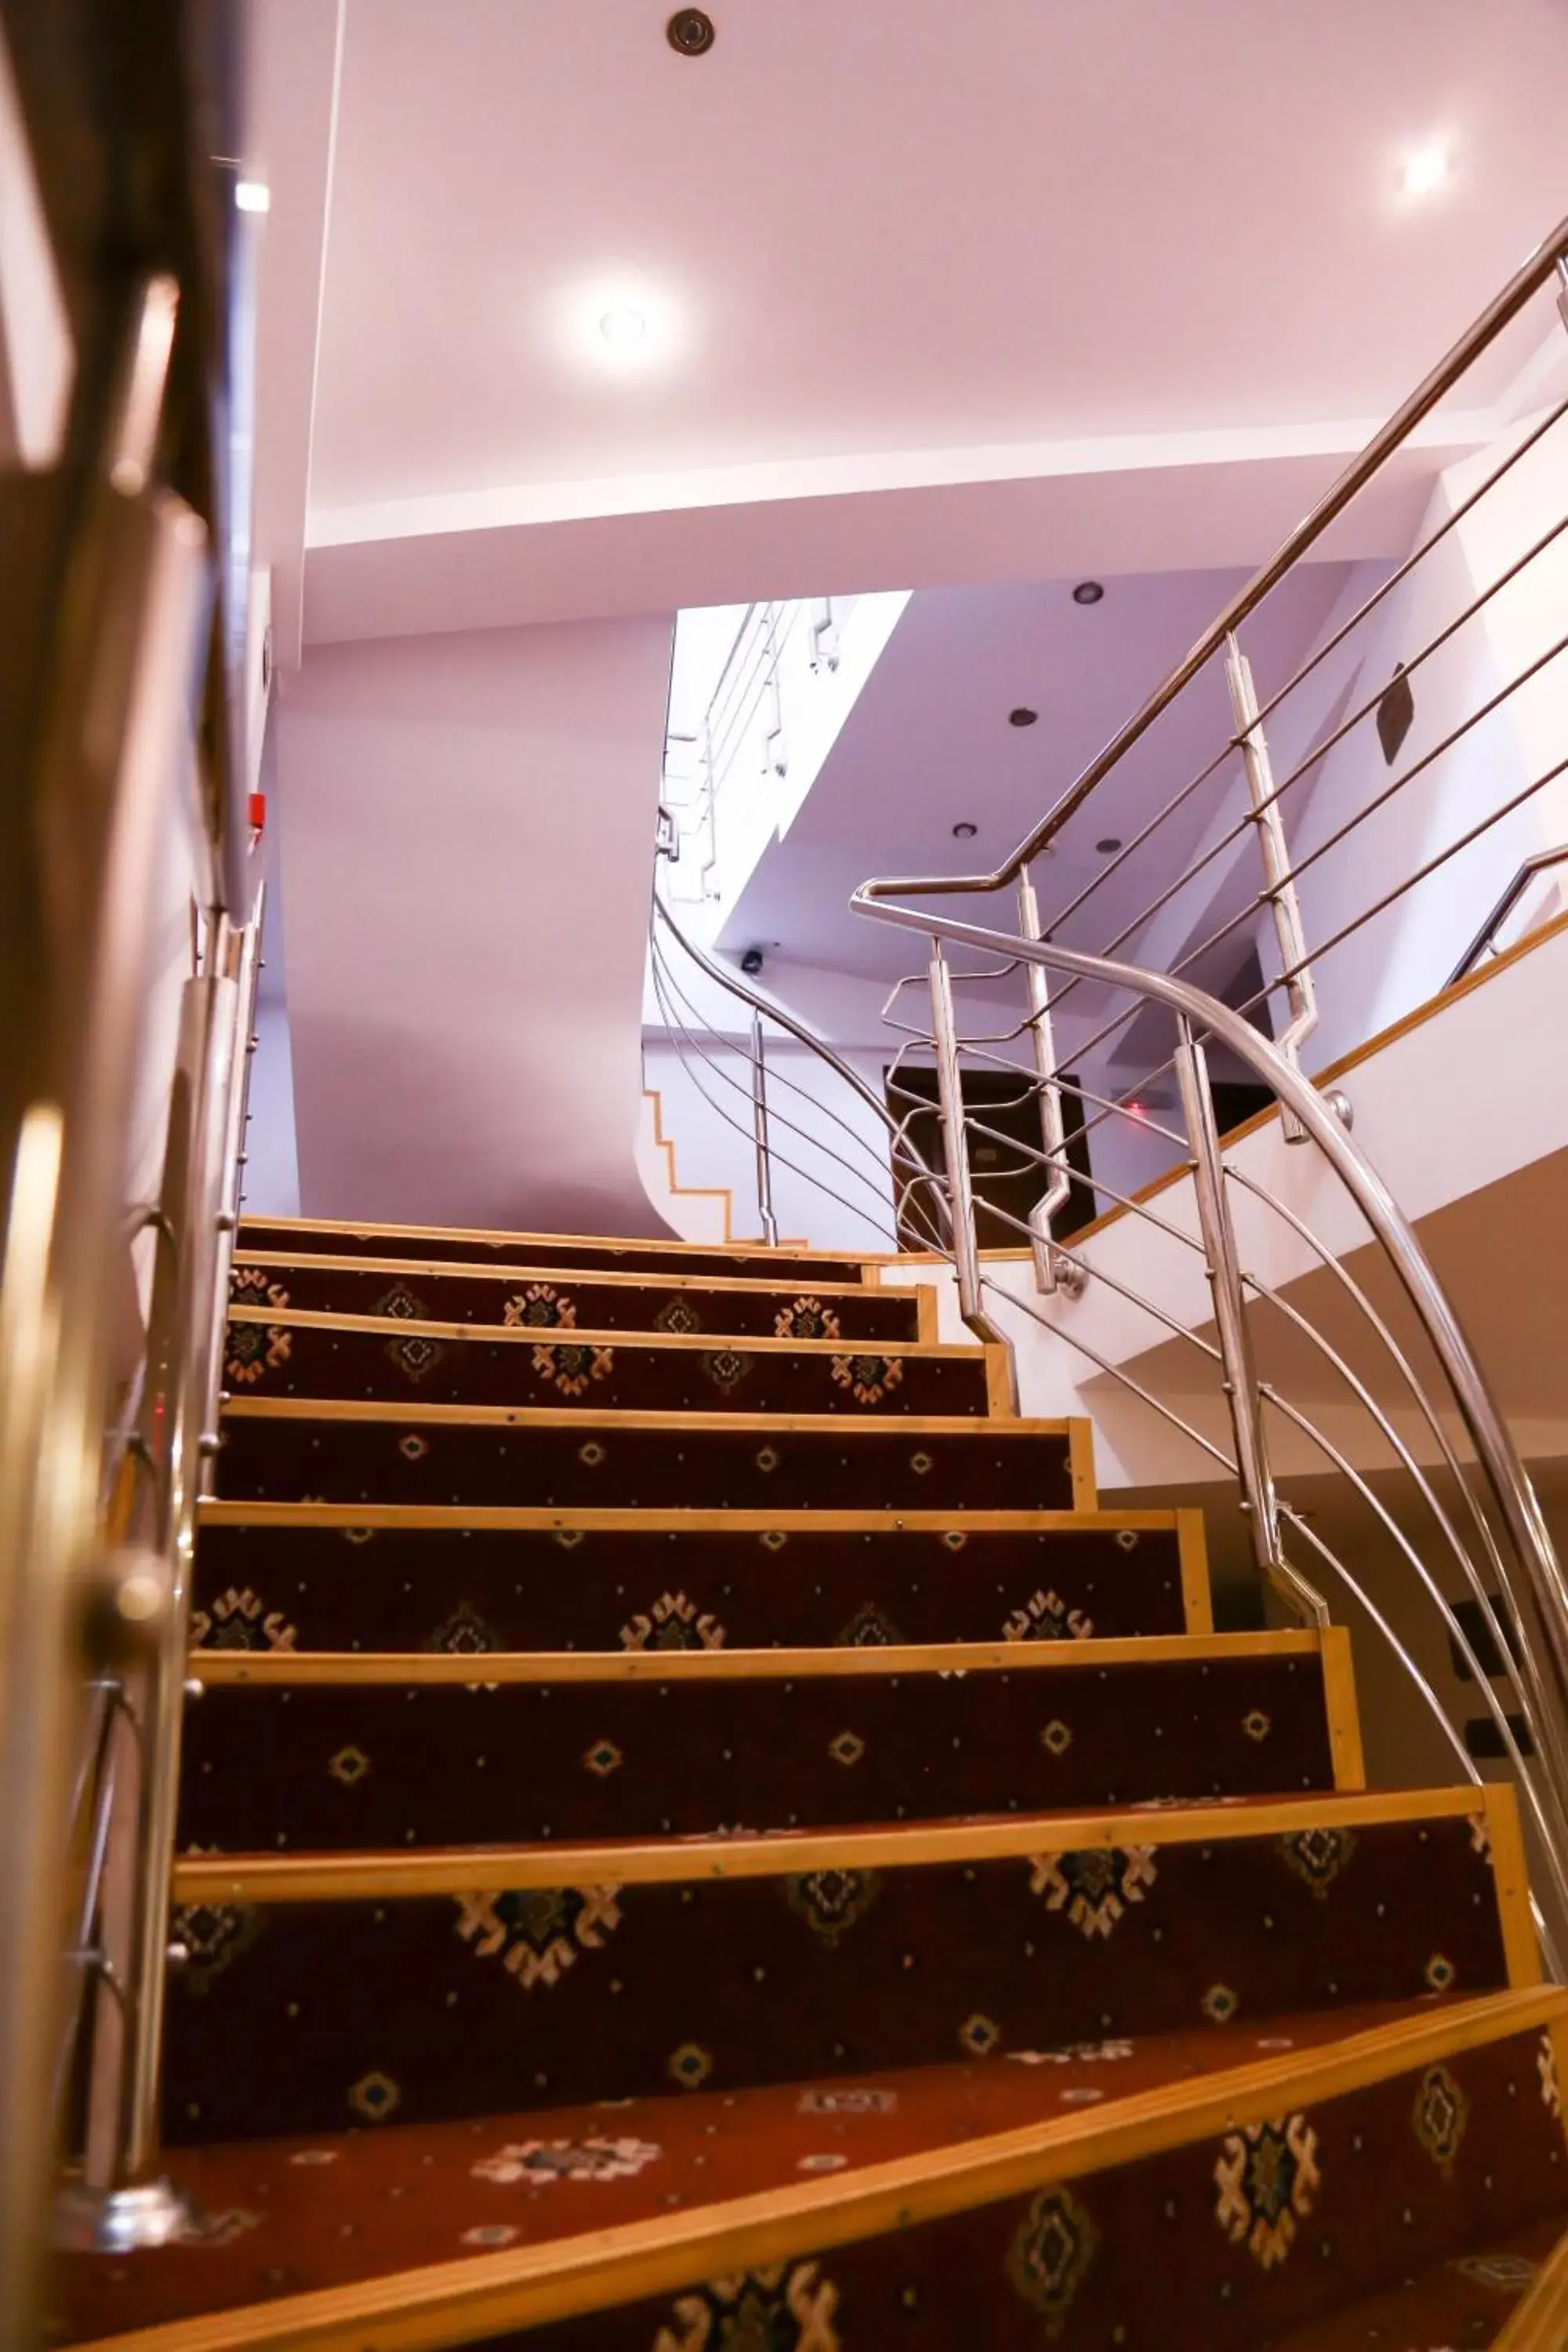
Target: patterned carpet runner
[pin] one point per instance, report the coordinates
(669, 1736)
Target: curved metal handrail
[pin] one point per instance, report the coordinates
(1505, 1475)
(916, 1170)
(1505, 306)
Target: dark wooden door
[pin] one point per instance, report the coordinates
(1006, 1183)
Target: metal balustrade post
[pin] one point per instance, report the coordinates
(1274, 853)
(1052, 1271)
(760, 1131)
(1238, 1372)
(122, 2201)
(955, 1138)
(775, 757)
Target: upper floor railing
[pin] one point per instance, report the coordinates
(742, 735)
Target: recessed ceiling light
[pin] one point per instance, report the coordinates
(690, 32)
(1426, 169)
(1022, 717)
(252, 196)
(964, 831)
(620, 321)
(1087, 591)
(1110, 846)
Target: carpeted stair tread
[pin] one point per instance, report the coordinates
(1226, 2244)
(1116, 2193)
(546, 1298)
(273, 1352)
(416, 2194)
(599, 1974)
(664, 1585)
(354, 1766)
(282, 1450)
(1461, 2302)
(798, 1268)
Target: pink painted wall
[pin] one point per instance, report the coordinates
(466, 865)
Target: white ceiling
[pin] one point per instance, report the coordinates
(895, 245)
(929, 744)
(900, 224)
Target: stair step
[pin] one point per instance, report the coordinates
(1466, 2299)
(368, 1752)
(537, 1296)
(289, 1353)
(290, 1235)
(306, 1576)
(1268, 2170)
(290, 1449)
(444, 1983)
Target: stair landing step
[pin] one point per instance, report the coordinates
(511, 2218)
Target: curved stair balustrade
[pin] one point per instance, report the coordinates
(739, 1081)
(1426, 1393)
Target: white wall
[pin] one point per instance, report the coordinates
(466, 862)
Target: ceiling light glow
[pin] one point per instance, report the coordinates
(618, 321)
(1426, 169)
(252, 196)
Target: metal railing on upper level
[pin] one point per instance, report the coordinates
(121, 742)
(744, 728)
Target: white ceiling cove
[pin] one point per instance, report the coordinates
(893, 250)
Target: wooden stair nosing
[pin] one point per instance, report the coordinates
(468, 1270)
(587, 1418)
(272, 1669)
(245, 1511)
(311, 1877)
(462, 2302)
(606, 1243)
(1539, 2320)
(555, 1335)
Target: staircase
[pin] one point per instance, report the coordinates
(698, 1836)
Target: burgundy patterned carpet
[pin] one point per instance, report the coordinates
(488, 1605)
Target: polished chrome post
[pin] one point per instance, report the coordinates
(121, 2200)
(775, 754)
(1052, 1271)
(1273, 851)
(955, 1138)
(1236, 1371)
(760, 1131)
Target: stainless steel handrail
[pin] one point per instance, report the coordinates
(1527, 281)
(1544, 1597)
(1542, 862)
(127, 625)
